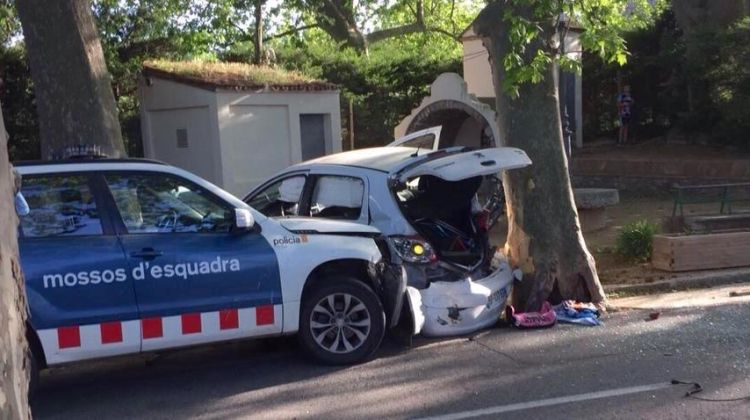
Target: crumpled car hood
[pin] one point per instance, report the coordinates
(313, 225)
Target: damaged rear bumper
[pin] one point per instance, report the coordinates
(460, 307)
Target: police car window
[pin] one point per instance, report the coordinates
(337, 197)
(163, 204)
(59, 206)
(280, 198)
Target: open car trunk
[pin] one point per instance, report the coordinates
(441, 212)
(438, 196)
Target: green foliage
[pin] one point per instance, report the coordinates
(10, 26)
(653, 73)
(19, 108)
(697, 84)
(384, 86)
(534, 41)
(134, 31)
(729, 84)
(634, 240)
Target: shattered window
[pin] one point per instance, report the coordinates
(59, 206)
(337, 197)
(280, 198)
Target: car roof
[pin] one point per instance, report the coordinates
(87, 165)
(384, 159)
(24, 163)
(94, 165)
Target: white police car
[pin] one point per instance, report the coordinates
(425, 201)
(130, 256)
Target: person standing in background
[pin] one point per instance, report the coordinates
(624, 107)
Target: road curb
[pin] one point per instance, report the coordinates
(683, 282)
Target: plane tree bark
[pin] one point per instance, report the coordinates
(544, 237)
(73, 89)
(14, 371)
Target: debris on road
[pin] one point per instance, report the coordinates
(544, 318)
(577, 313)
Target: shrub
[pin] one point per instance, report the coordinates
(634, 240)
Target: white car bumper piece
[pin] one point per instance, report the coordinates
(465, 306)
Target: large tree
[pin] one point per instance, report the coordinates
(73, 88)
(13, 347)
(522, 38)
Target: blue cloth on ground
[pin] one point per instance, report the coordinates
(566, 312)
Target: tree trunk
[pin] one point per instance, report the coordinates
(73, 89)
(258, 41)
(13, 347)
(544, 233)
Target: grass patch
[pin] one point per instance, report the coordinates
(231, 73)
(634, 240)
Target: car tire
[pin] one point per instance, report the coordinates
(342, 321)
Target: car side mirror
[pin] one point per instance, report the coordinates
(243, 219)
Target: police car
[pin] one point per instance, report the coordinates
(131, 256)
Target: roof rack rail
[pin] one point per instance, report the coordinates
(87, 160)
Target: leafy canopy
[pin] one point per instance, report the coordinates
(603, 23)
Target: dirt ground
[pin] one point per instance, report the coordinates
(611, 266)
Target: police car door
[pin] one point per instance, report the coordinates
(81, 299)
(196, 280)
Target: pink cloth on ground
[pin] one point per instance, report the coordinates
(544, 318)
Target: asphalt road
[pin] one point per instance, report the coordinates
(619, 370)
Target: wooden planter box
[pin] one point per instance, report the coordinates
(701, 252)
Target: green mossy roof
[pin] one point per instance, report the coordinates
(237, 76)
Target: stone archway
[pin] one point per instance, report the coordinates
(465, 120)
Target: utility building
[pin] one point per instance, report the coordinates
(235, 124)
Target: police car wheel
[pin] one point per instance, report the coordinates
(342, 321)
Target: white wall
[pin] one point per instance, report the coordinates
(167, 106)
(256, 143)
(477, 71)
(164, 126)
(260, 132)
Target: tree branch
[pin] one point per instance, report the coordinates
(441, 31)
(291, 31)
(384, 34)
(417, 26)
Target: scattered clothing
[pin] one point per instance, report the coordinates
(577, 313)
(542, 319)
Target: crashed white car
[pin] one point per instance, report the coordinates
(424, 201)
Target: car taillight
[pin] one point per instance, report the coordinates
(413, 249)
